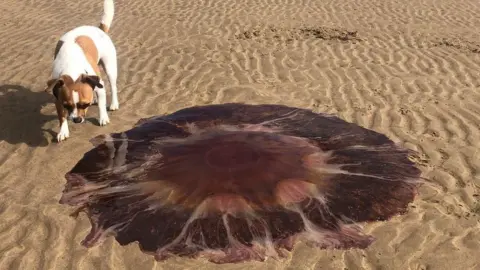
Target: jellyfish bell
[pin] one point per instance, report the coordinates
(237, 182)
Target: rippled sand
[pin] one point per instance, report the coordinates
(409, 69)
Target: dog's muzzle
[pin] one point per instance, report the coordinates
(78, 120)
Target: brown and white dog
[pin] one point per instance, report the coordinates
(76, 82)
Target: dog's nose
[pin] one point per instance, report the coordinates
(78, 120)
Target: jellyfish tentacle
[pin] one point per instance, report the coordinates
(163, 251)
(98, 233)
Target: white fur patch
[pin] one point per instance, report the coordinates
(64, 132)
(108, 12)
(76, 98)
(70, 60)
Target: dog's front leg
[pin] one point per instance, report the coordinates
(109, 64)
(64, 133)
(102, 106)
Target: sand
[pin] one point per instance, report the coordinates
(408, 69)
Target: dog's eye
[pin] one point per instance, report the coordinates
(68, 107)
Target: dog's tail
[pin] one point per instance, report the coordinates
(107, 17)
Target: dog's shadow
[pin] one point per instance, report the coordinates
(21, 120)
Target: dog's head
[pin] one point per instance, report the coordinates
(75, 96)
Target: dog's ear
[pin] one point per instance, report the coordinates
(53, 85)
(92, 80)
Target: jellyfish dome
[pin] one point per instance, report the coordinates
(237, 182)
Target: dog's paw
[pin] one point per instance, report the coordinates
(114, 106)
(63, 135)
(104, 120)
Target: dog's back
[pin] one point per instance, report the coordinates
(99, 34)
(101, 39)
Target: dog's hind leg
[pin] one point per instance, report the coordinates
(110, 66)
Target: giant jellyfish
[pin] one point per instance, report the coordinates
(236, 182)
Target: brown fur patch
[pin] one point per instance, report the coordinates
(85, 96)
(61, 113)
(103, 27)
(84, 90)
(65, 93)
(63, 89)
(90, 51)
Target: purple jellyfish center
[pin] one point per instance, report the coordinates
(232, 156)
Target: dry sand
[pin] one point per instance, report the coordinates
(409, 69)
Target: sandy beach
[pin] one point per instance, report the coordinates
(407, 69)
